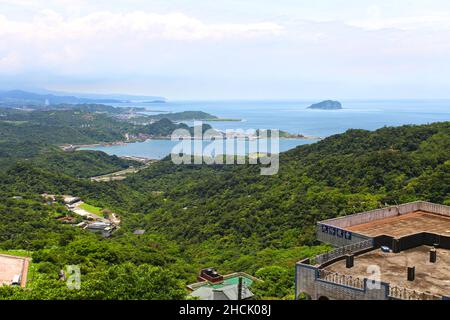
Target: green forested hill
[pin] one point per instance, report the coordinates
(54, 127)
(231, 217)
(343, 174)
(81, 164)
(34, 135)
(165, 127)
(185, 116)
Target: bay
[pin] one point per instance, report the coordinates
(290, 116)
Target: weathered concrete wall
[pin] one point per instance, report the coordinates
(435, 208)
(307, 281)
(369, 216)
(378, 214)
(334, 291)
(335, 238)
(305, 277)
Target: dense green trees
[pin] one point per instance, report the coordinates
(119, 282)
(343, 174)
(81, 164)
(127, 281)
(276, 283)
(126, 267)
(31, 224)
(33, 136)
(185, 116)
(195, 216)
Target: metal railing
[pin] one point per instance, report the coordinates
(340, 252)
(409, 294)
(395, 292)
(341, 279)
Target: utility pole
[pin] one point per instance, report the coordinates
(240, 289)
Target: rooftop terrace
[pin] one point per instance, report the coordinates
(406, 224)
(226, 289)
(246, 281)
(395, 222)
(395, 239)
(231, 279)
(431, 278)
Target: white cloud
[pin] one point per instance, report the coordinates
(174, 26)
(51, 41)
(16, 2)
(93, 44)
(423, 22)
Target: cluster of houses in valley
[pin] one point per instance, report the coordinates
(105, 225)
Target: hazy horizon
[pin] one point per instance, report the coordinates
(200, 99)
(229, 50)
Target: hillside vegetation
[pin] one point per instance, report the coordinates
(33, 136)
(229, 217)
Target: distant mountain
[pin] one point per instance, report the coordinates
(20, 98)
(115, 96)
(326, 105)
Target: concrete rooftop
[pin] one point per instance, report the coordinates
(407, 224)
(11, 266)
(431, 278)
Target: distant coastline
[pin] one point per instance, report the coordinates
(77, 147)
(223, 120)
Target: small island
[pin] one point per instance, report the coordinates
(189, 116)
(326, 105)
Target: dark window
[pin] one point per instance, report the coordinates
(332, 231)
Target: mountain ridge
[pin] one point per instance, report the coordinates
(21, 97)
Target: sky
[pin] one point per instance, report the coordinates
(229, 49)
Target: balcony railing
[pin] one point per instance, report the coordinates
(340, 252)
(341, 279)
(409, 294)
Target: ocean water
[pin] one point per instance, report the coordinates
(158, 149)
(292, 116)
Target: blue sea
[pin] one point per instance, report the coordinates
(291, 116)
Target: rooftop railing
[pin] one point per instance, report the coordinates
(409, 294)
(395, 292)
(341, 279)
(342, 251)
